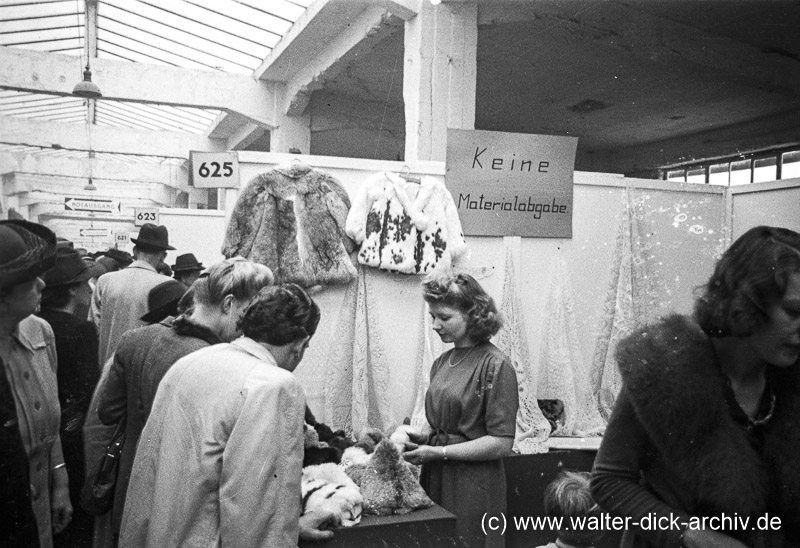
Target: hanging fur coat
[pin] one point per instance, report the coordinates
(405, 227)
(292, 219)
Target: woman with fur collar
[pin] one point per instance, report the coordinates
(707, 425)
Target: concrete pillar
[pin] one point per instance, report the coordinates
(291, 132)
(439, 76)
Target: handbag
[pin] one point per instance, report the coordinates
(97, 495)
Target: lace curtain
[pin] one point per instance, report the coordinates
(563, 373)
(532, 428)
(357, 376)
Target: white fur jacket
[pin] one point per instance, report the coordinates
(405, 227)
(292, 219)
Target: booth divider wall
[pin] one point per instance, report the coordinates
(672, 232)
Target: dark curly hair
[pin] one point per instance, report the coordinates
(463, 292)
(752, 273)
(280, 315)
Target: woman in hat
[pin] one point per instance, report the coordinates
(76, 343)
(144, 355)
(28, 354)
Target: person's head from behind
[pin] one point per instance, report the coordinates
(568, 497)
(284, 318)
(220, 297)
(463, 313)
(754, 294)
(27, 250)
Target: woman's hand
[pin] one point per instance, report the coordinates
(60, 506)
(417, 437)
(696, 538)
(422, 453)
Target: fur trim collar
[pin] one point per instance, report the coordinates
(675, 386)
(186, 327)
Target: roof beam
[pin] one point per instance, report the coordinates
(637, 33)
(54, 166)
(320, 44)
(56, 74)
(24, 131)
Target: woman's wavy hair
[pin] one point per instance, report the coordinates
(280, 315)
(463, 292)
(753, 272)
(236, 276)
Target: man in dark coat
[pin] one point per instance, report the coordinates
(142, 358)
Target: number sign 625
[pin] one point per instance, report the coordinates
(215, 169)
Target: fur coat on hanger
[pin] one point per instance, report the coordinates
(292, 219)
(405, 227)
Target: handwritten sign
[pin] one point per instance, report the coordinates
(511, 184)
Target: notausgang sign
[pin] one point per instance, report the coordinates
(511, 184)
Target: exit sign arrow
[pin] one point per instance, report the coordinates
(103, 206)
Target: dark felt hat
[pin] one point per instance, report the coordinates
(162, 301)
(70, 268)
(153, 236)
(122, 257)
(26, 250)
(186, 263)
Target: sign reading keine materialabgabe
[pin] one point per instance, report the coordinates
(511, 184)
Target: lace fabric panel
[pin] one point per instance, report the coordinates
(532, 428)
(564, 374)
(628, 303)
(356, 392)
(429, 348)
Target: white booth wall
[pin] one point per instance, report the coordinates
(676, 232)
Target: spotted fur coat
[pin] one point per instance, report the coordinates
(292, 219)
(405, 227)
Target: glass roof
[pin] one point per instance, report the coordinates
(233, 36)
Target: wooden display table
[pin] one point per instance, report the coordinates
(432, 527)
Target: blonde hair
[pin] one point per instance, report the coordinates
(236, 276)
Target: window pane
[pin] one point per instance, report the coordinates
(718, 174)
(791, 165)
(740, 172)
(765, 169)
(679, 175)
(697, 176)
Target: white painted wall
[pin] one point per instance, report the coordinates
(775, 204)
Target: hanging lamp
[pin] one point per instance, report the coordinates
(87, 89)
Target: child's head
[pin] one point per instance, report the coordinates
(568, 496)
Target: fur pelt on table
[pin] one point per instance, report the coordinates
(292, 219)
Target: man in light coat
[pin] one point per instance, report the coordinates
(120, 298)
(220, 459)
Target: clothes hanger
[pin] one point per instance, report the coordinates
(406, 175)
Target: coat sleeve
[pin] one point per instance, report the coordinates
(94, 308)
(259, 491)
(111, 395)
(616, 476)
(355, 225)
(455, 234)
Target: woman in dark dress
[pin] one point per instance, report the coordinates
(471, 406)
(706, 424)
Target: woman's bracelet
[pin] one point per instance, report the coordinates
(57, 466)
(444, 452)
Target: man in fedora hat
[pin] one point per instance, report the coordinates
(32, 413)
(186, 269)
(68, 289)
(120, 298)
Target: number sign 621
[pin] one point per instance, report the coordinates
(215, 170)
